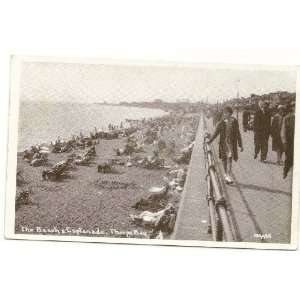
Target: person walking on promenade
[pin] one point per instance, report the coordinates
(261, 128)
(276, 125)
(287, 137)
(230, 138)
(217, 116)
(246, 118)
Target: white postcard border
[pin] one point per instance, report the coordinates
(16, 66)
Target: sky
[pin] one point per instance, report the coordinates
(74, 82)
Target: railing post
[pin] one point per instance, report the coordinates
(212, 225)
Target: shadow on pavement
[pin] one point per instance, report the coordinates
(250, 212)
(262, 189)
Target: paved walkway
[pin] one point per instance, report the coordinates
(259, 201)
(192, 216)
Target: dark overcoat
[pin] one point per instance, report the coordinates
(275, 133)
(246, 118)
(261, 126)
(235, 138)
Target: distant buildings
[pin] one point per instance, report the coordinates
(184, 105)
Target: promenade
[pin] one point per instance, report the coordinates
(259, 203)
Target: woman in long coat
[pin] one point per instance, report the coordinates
(230, 139)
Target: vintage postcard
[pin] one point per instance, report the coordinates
(153, 153)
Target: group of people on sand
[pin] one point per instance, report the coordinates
(36, 155)
(277, 122)
(160, 213)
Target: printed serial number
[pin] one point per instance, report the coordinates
(263, 236)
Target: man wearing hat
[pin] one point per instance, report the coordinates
(261, 129)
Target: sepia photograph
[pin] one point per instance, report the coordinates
(152, 153)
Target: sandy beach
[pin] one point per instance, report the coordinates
(86, 200)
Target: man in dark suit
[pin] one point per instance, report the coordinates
(246, 118)
(287, 137)
(261, 129)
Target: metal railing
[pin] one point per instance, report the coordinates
(218, 225)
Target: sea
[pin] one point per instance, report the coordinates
(43, 122)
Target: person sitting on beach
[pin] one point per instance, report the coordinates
(230, 137)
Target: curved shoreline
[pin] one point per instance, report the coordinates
(26, 131)
(88, 199)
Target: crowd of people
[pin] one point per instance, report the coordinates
(164, 144)
(267, 121)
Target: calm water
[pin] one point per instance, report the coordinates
(44, 121)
